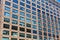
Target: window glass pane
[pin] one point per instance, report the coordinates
(34, 31)
(5, 38)
(22, 18)
(22, 29)
(6, 26)
(16, 1)
(6, 14)
(27, 10)
(22, 4)
(5, 32)
(14, 28)
(14, 33)
(22, 24)
(28, 2)
(33, 22)
(28, 25)
(28, 6)
(15, 6)
(33, 12)
(22, 13)
(14, 11)
(34, 26)
(34, 17)
(13, 38)
(7, 3)
(28, 15)
(28, 35)
(34, 37)
(28, 30)
(22, 8)
(6, 20)
(7, 8)
(33, 4)
(28, 20)
(22, 35)
(14, 22)
(14, 16)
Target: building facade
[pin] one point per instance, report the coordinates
(29, 20)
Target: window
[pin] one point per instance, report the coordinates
(14, 22)
(14, 16)
(6, 26)
(28, 2)
(22, 18)
(28, 20)
(22, 8)
(6, 20)
(28, 25)
(40, 33)
(14, 11)
(28, 6)
(22, 4)
(34, 17)
(23, 0)
(38, 2)
(22, 35)
(33, 12)
(22, 24)
(14, 28)
(27, 10)
(28, 35)
(34, 37)
(7, 3)
(7, 8)
(5, 38)
(33, 4)
(33, 8)
(28, 15)
(29, 30)
(14, 33)
(5, 32)
(6, 14)
(34, 31)
(22, 29)
(34, 26)
(21, 39)
(33, 0)
(38, 6)
(15, 6)
(13, 38)
(16, 1)
(33, 22)
(22, 13)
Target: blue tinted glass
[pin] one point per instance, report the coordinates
(33, 22)
(22, 18)
(33, 0)
(14, 11)
(16, 1)
(7, 3)
(33, 8)
(14, 16)
(33, 4)
(28, 2)
(38, 2)
(5, 38)
(15, 6)
(28, 15)
(22, 8)
(34, 31)
(27, 6)
(21, 3)
(28, 20)
(7, 8)
(34, 17)
(34, 26)
(14, 22)
(38, 6)
(6, 14)
(23, 0)
(33, 12)
(27, 10)
(22, 13)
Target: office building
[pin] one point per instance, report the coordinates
(29, 20)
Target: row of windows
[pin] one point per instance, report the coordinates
(21, 29)
(5, 32)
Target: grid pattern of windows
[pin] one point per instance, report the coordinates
(30, 19)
